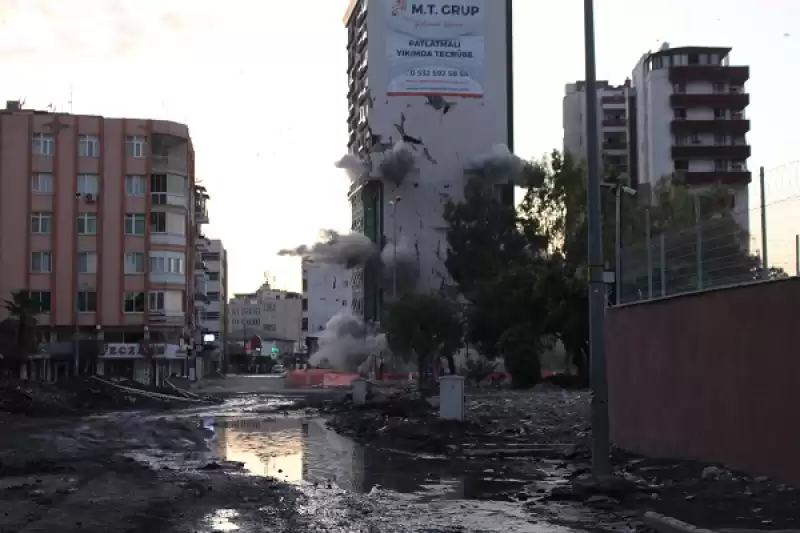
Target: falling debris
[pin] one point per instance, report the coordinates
(354, 166)
(349, 250)
(429, 157)
(440, 104)
(499, 164)
(345, 344)
(397, 164)
(402, 254)
(401, 129)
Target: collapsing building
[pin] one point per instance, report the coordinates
(419, 128)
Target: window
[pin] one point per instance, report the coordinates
(158, 222)
(135, 185)
(679, 88)
(133, 302)
(167, 265)
(134, 224)
(134, 263)
(135, 146)
(214, 315)
(721, 140)
(158, 189)
(718, 88)
(739, 165)
(42, 223)
(344, 303)
(304, 325)
(721, 164)
(42, 183)
(681, 165)
(720, 114)
(270, 307)
(43, 299)
(213, 296)
(41, 262)
(43, 144)
(213, 276)
(270, 327)
(211, 256)
(680, 113)
(88, 184)
(87, 302)
(681, 140)
(305, 285)
(155, 301)
(87, 262)
(88, 146)
(87, 224)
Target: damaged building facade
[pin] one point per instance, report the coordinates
(418, 115)
(326, 293)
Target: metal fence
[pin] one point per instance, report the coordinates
(714, 250)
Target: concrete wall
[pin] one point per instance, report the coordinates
(711, 376)
(327, 293)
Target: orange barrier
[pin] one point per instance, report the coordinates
(298, 379)
(338, 380)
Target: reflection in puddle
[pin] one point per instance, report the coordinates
(222, 520)
(297, 451)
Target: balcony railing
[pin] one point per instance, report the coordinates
(166, 163)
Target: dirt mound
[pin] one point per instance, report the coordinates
(77, 396)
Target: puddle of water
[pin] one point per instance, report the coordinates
(223, 520)
(304, 451)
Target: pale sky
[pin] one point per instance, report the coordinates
(262, 86)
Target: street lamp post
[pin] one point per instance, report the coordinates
(394, 203)
(597, 289)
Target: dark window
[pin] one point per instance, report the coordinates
(87, 302)
(43, 299)
(213, 296)
(211, 256)
(305, 304)
(305, 285)
(213, 276)
(304, 325)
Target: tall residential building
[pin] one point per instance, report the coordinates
(682, 114)
(107, 208)
(213, 314)
(690, 118)
(435, 76)
(273, 315)
(326, 293)
(612, 124)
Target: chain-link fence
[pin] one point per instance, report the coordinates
(707, 247)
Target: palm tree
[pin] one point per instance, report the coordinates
(19, 338)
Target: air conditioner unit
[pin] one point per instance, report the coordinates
(90, 198)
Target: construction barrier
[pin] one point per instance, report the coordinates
(332, 380)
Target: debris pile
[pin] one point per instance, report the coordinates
(82, 395)
(543, 422)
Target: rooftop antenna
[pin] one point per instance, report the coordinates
(70, 99)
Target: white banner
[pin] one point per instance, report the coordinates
(435, 47)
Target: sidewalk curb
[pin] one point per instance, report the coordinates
(667, 524)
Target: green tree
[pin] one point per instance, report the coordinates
(423, 326)
(19, 336)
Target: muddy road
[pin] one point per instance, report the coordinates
(247, 465)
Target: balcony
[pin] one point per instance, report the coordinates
(700, 151)
(712, 73)
(615, 122)
(719, 100)
(615, 146)
(613, 99)
(164, 163)
(733, 177)
(732, 126)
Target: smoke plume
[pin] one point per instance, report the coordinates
(397, 163)
(498, 165)
(400, 265)
(348, 250)
(345, 344)
(354, 166)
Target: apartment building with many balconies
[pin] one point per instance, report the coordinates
(682, 114)
(212, 277)
(108, 231)
(612, 124)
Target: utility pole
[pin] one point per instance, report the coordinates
(764, 256)
(597, 289)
